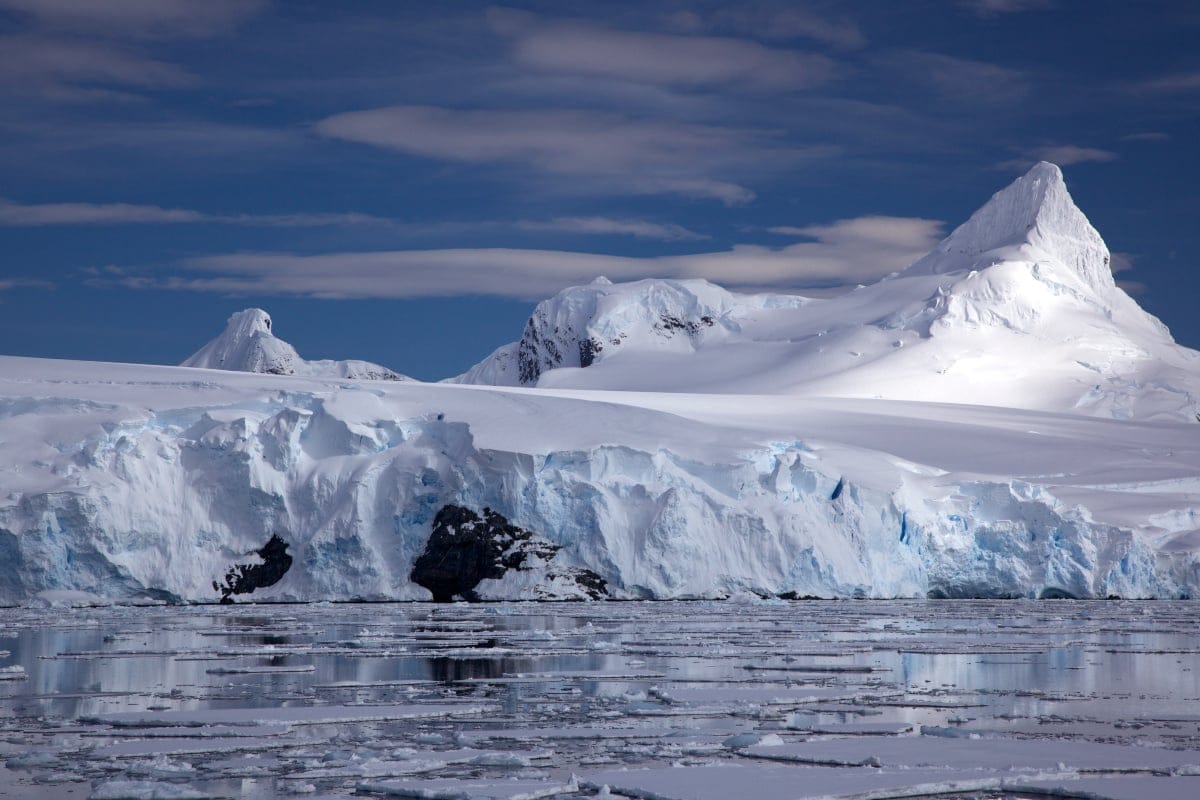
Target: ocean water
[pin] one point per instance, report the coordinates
(687, 700)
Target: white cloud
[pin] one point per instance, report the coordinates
(1121, 262)
(771, 21)
(52, 67)
(992, 8)
(960, 79)
(657, 58)
(639, 228)
(150, 18)
(618, 153)
(843, 252)
(1147, 136)
(1065, 155)
(1177, 82)
(18, 215)
(7, 284)
(1062, 155)
(42, 214)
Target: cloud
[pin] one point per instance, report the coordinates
(1067, 154)
(960, 79)
(1062, 155)
(24, 283)
(1147, 136)
(769, 21)
(43, 214)
(617, 152)
(68, 69)
(641, 229)
(1121, 262)
(139, 18)
(658, 58)
(1177, 82)
(993, 8)
(843, 252)
(17, 215)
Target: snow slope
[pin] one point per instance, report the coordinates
(248, 345)
(1017, 307)
(998, 420)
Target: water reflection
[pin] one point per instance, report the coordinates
(1074, 669)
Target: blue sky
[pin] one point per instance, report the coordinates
(399, 182)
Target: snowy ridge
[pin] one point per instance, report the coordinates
(1017, 307)
(586, 325)
(248, 345)
(1034, 214)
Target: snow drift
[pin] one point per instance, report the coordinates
(855, 446)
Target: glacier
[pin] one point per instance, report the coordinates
(999, 420)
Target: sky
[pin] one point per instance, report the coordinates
(401, 182)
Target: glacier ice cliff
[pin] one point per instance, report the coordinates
(156, 485)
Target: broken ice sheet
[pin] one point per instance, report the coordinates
(500, 698)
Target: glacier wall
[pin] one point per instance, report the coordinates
(162, 504)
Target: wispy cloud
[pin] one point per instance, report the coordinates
(43, 214)
(638, 228)
(1063, 155)
(1147, 136)
(68, 69)
(1176, 82)
(772, 22)
(657, 58)
(18, 215)
(1067, 154)
(963, 80)
(8, 284)
(993, 8)
(617, 152)
(842, 252)
(139, 18)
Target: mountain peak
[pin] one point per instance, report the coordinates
(1034, 214)
(248, 345)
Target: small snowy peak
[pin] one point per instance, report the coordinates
(248, 345)
(585, 325)
(1034, 219)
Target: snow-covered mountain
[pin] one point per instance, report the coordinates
(248, 345)
(998, 420)
(1017, 307)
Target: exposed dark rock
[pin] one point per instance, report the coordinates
(588, 348)
(668, 325)
(466, 548)
(245, 578)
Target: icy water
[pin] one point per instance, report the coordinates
(695, 701)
